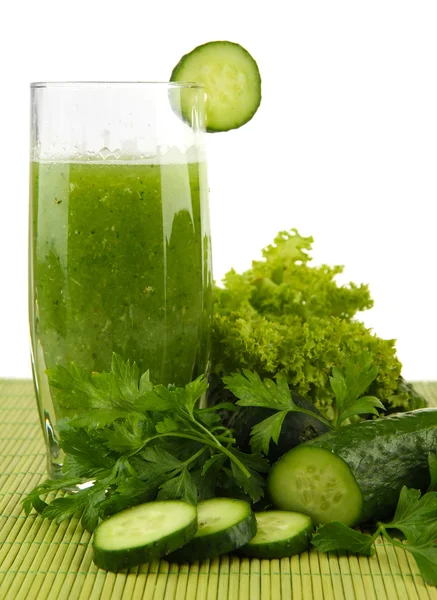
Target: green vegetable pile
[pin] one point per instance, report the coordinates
(282, 331)
(286, 317)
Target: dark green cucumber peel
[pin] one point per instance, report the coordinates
(382, 456)
(210, 545)
(127, 555)
(280, 534)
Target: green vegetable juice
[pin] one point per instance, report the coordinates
(121, 262)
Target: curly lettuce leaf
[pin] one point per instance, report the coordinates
(286, 317)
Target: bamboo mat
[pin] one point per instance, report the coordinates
(40, 560)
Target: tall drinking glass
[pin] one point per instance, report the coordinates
(119, 252)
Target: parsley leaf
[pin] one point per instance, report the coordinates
(96, 418)
(415, 517)
(145, 384)
(256, 464)
(125, 377)
(251, 390)
(340, 537)
(348, 385)
(266, 430)
(86, 455)
(33, 499)
(213, 460)
(432, 463)
(193, 392)
(211, 417)
(159, 399)
(74, 386)
(63, 508)
(208, 476)
(128, 435)
(426, 559)
(83, 390)
(91, 511)
(180, 487)
(166, 425)
(161, 459)
(126, 489)
(85, 501)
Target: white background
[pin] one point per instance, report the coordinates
(344, 146)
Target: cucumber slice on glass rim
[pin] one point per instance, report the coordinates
(231, 80)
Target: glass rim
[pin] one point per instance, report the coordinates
(102, 84)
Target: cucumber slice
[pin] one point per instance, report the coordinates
(317, 483)
(224, 524)
(279, 533)
(231, 79)
(143, 533)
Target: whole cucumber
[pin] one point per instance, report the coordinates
(355, 474)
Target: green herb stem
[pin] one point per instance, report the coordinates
(378, 531)
(383, 530)
(226, 439)
(334, 423)
(313, 415)
(215, 444)
(194, 457)
(221, 428)
(206, 430)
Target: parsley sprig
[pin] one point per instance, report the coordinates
(348, 384)
(415, 518)
(251, 390)
(138, 441)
